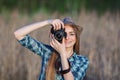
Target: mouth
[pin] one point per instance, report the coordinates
(67, 42)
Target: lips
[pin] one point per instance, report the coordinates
(68, 42)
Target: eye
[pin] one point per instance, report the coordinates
(72, 34)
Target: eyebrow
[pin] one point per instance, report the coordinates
(71, 32)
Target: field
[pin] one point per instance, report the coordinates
(100, 42)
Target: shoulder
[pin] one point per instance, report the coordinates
(79, 66)
(81, 59)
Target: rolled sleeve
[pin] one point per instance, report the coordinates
(35, 46)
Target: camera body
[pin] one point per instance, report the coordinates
(59, 34)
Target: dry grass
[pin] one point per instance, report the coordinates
(100, 41)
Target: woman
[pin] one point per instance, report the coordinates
(60, 60)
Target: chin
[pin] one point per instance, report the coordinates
(68, 45)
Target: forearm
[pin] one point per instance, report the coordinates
(20, 33)
(65, 65)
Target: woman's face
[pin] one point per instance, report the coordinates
(70, 40)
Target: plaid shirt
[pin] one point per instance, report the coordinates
(79, 63)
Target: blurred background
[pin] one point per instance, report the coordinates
(100, 39)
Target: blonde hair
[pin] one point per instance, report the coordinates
(50, 71)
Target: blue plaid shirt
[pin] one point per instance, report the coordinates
(79, 63)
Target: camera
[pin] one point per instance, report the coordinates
(59, 34)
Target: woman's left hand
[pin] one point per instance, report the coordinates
(59, 47)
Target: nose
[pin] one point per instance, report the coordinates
(67, 36)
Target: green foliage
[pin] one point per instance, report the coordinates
(64, 6)
(103, 5)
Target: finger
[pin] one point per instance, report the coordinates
(62, 25)
(57, 26)
(51, 44)
(55, 23)
(53, 39)
(50, 37)
(63, 40)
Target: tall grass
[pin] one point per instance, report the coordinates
(100, 41)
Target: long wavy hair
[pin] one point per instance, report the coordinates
(50, 71)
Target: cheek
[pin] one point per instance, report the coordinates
(73, 38)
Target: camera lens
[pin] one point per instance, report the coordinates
(59, 36)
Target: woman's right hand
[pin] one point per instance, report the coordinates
(57, 24)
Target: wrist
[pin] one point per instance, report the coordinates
(49, 21)
(64, 71)
(63, 55)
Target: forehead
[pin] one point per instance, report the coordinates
(69, 28)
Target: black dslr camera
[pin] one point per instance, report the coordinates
(59, 34)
